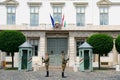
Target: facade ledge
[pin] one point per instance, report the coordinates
(69, 27)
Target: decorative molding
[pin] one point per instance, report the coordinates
(10, 2)
(80, 3)
(104, 2)
(34, 3)
(57, 3)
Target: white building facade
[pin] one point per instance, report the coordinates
(79, 19)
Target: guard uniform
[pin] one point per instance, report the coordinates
(64, 62)
(46, 61)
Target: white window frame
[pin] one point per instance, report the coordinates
(11, 11)
(80, 15)
(34, 11)
(104, 15)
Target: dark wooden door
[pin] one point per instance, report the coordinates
(24, 59)
(86, 59)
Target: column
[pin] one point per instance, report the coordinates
(42, 47)
(72, 53)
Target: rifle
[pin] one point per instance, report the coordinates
(67, 60)
(43, 60)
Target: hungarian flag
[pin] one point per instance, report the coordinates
(52, 20)
(63, 22)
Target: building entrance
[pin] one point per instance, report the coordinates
(54, 48)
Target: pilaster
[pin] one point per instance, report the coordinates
(72, 53)
(115, 54)
(41, 45)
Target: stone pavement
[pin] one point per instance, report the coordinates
(56, 75)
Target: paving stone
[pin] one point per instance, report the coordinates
(56, 75)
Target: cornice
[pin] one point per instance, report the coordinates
(34, 3)
(10, 2)
(80, 3)
(107, 3)
(57, 3)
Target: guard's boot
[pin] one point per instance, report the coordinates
(63, 75)
(47, 74)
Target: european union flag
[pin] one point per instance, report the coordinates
(52, 20)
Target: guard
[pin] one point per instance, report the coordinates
(46, 61)
(64, 61)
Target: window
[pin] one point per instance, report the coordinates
(34, 15)
(104, 63)
(57, 13)
(103, 16)
(11, 15)
(34, 43)
(8, 54)
(80, 16)
(104, 55)
(78, 43)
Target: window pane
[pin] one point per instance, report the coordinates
(80, 19)
(36, 10)
(36, 51)
(78, 43)
(8, 19)
(55, 10)
(104, 16)
(101, 19)
(106, 19)
(57, 14)
(13, 10)
(32, 10)
(80, 16)
(34, 43)
(59, 10)
(11, 15)
(13, 18)
(34, 19)
(78, 10)
(101, 10)
(106, 10)
(9, 10)
(57, 18)
(82, 10)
